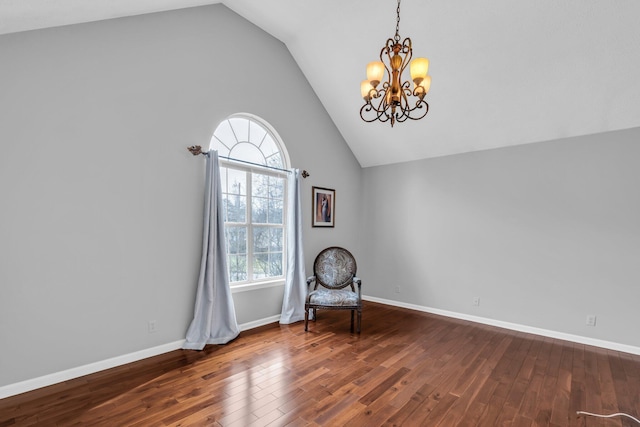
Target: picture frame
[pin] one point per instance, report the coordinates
(324, 207)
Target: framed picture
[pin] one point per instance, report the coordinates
(324, 207)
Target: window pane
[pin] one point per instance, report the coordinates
(223, 138)
(275, 212)
(261, 239)
(236, 239)
(236, 182)
(276, 187)
(275, 264)
(260, 185)
(222, 149)
(260, 266)
(234, 196)
(275, 161)
(236, 208)
(237, 268)
(259, 209)
(275, 239)
(240, 128)
(271, 152)
(248, 152)
(267, 265)
(269, 146)
(267, 206)
(256, 133)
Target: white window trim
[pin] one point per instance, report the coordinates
(257, 285)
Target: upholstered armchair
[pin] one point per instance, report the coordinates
(334, 285)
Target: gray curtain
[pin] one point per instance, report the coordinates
(295, 286)
(214, 320)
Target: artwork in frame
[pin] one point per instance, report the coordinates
(324, 207)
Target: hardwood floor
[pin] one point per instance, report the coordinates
(406, 368)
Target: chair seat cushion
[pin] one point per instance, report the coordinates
(339, 298)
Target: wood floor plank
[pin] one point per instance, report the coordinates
(607, 388)
(406, 368)
(459, 410)
(560, 407)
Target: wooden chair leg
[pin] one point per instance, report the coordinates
(359, 319)
(306, 319)
(352, 320)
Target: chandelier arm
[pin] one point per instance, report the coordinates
(380, 115)
(381, 94)
(405, 106)
(406, 88)
(408, 51)
(386, 52)
(379, 112)
(426, 110)
(419, 106)
(405, 109)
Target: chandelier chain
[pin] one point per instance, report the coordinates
(397, 36)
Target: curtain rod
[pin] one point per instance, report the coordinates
(197, 149)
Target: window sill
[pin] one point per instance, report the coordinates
(259, 285)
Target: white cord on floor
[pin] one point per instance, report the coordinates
(618, 414)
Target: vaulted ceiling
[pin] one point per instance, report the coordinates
(504, 72)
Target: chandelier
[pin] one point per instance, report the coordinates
(395, 101)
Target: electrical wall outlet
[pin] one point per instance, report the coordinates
(591, 320)
(152, 326)
(476, 301)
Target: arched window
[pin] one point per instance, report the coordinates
(253, 163)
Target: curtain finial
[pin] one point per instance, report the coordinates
(195, 150)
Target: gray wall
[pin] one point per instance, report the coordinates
(545, 234)
(100, 225)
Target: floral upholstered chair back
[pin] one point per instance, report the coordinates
(335, 268)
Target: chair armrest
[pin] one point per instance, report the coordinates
(310, 280)
(358, 281)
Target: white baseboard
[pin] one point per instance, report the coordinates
(512, 326)
(91, 368)
(260, 322)
(69, 374)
